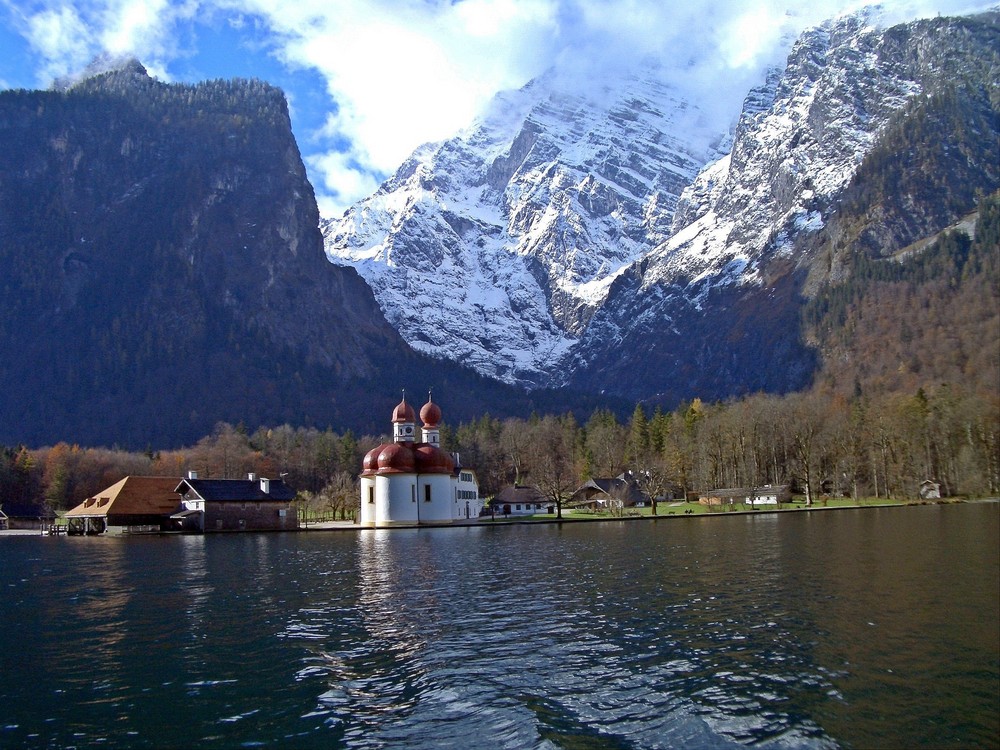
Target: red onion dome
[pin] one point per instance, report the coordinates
(403, 412)
(433, 460)
(430, 414)
(396, 459)
(370, 464)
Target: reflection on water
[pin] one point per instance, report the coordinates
(197, 584)
(846, 629)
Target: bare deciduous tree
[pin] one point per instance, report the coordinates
(551, 460)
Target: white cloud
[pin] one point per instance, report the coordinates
(340, 175)
(403, 72)
(59, 35)
(136, 24)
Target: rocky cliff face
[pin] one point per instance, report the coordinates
(570, 239)
(164, 267)
(713, 310)
(495, 248)
(164, 271)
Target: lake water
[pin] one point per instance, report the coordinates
(851, 628)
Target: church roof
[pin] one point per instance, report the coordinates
(407, 457)
(403, 413)
(430, 414)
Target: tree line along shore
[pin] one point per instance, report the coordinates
(907, 392)
(830, 448)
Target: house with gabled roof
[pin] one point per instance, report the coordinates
(520, 500)
(251, 504)
(929, 490)
(598, 493)
(130, 505)
(34, 515)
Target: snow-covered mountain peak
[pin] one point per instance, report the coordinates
(799, 140)
(522, 222)
(600, 235)
(717, 301)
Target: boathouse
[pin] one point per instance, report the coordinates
(131, 505)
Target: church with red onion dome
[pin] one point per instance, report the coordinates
(416, 483)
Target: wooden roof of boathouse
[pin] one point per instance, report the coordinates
(133, 496)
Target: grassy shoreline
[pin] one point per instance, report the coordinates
(664, 514)
(690, 510)
(665, 511)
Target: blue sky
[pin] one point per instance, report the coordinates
(370, 80)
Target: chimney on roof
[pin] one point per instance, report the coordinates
(192, 475)
(265, 486)
(251, 476)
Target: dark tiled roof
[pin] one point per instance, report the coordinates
(624, 489)
(519, 494)
(237, 490)
(16, 509)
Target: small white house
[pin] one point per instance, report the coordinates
(519, 500)
(749, 496)
(468, 504)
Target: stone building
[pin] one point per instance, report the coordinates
(251, 504)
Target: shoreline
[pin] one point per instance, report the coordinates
(491, 522)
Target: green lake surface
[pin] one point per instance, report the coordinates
(873, 628)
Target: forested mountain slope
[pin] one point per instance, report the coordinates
(164, 270)
(927, 317)
(872, 138)
(164, 267)
(576, 239)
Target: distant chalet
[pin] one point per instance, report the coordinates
(752, 496)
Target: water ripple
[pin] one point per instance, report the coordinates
(612, 636)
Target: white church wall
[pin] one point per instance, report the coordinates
(438, 508)
(367, 502)
(395, 500)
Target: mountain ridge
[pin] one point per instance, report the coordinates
(165, 271)
(730, 244)
(515, 188)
